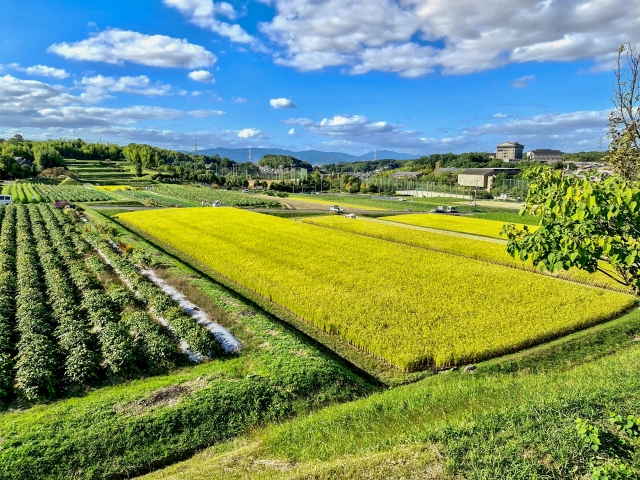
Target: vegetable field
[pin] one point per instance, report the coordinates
(62, 325)
(408, 306)
(36, 193)
(72, 193)
(475, 226)
(205, 194)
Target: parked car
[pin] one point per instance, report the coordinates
(245, 191)
(439, 209)
(452, 210)
(336, 209)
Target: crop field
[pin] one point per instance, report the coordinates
(22, 193)
(365, 202)
(71, 193)
(113, 188)
(408, 306)
(60, 328)
(463, 224)
(210, 195)
(145, 196)
(479, 249)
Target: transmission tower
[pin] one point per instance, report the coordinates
(600, 144)
(195, 148)
(375, 153)
(250, 161)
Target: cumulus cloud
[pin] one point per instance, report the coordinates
(292, 133)
(500, 115)
(523, 81)
(140, 85)
(252, 133)
(37, 104)
(413, 37)
(118, 46)
(201, 76)
(362, 130)
(239, 100)
(203, 14)
(41, 71)
(282, 103)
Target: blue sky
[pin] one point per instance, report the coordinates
(417, 76)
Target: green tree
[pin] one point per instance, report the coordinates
(624, 120)
(584, 223)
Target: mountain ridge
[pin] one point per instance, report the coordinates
(315, 157)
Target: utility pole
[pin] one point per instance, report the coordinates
(375, 154)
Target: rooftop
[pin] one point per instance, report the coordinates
(546, 151)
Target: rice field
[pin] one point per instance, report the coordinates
(408, 306)
(480, 249)
(464, 224)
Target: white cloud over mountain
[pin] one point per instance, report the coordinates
(252, 133)
(118, 46)
(412, 37)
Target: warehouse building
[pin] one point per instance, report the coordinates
(483, 177)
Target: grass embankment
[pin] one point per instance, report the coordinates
(479, 248)
(445, 312)
(131, 428)
(511, 418)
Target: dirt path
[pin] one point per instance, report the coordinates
(435, 230)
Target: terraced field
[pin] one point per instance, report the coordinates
(480, 248)
(428, 307)
(464, 224)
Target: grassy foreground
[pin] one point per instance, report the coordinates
(512, 418)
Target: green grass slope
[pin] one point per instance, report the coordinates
(511, 418)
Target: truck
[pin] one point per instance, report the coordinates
(336, 209)
(5, 200)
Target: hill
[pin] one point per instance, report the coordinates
(314, 157)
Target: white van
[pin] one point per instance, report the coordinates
(5, 200)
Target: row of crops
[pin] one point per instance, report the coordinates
(408, 306)
(156, 199)
(71, 193)
(62, 327)
(210, 195)
(22, 193)
(36, 193)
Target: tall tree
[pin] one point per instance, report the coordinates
(624, 120)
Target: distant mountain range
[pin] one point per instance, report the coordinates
(314, 157)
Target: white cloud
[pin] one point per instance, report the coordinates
(41, 71)
(252, 133)
(292, 133)
(182, 92)
(92, 24)
(282, 103)
(140, 85)
(32, 103)
(412, 37)
(361, 130)
(500, 115)
(203, 12)
(201, 76)
(239, 100)
(117, 46)
(523, 81)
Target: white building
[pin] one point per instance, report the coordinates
(545, 155)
